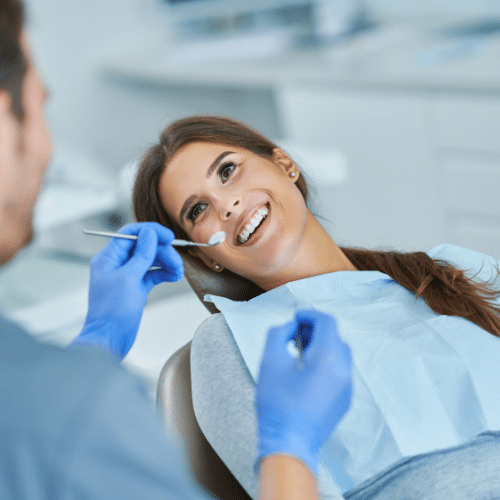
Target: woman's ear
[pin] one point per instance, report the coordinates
(288, 166)
(210, 262)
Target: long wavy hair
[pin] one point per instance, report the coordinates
(446, 289)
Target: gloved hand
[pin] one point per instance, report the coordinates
(299, 406)
(120, 281)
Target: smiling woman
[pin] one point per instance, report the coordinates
(210, 173)
(211, 132)
(418, 313)
(256, 202)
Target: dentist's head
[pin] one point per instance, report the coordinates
(24, 140)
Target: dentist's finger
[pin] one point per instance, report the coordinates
(144, 252)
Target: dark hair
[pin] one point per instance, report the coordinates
(445, 289)
(13, 64)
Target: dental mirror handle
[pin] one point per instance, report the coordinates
(176, 242)
(185, 243)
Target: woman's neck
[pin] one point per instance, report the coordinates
(318, 254)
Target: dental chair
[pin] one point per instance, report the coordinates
(174, 398)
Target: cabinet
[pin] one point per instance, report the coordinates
(424, 166)
(391, 197)
(467, 150)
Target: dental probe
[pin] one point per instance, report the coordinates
(300, 347)
(215, 239)
(301, 338)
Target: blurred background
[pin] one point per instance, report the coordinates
(391, 106)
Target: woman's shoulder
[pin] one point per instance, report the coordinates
(214, 348)
(213, 340)
(213, 329)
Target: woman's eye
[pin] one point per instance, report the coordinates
(196, 210)
(226, 170)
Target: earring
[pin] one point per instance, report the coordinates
(292, 174)
(217, 267)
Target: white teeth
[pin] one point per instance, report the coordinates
(254, 223)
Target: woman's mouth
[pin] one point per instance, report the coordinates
(249, 230)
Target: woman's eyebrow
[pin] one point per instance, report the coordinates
(210, 171)
(217, 161)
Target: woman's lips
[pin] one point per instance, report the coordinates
(250, 230)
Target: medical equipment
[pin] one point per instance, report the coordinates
(215, 239)
(301, 338)
(300, 347)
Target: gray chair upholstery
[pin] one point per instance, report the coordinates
(175, 405)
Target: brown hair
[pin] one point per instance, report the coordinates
(445, 289)
(13, 63)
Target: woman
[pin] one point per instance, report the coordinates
(423, 327)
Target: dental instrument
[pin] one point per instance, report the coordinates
(301, 338)
(299, 344)
(215, 239)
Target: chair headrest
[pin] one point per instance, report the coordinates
(224, 284)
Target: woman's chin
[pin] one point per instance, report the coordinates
(277, 258)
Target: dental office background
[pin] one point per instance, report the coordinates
(391, 106)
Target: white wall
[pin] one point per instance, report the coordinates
(70, 40)
(113, 119)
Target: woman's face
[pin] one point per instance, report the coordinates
(208, 188)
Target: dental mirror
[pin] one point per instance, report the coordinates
(215, 239)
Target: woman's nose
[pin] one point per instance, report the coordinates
(231, 208)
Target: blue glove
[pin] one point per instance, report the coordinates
(120, 281)
(299, 406)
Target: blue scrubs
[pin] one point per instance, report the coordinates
(75, 425)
